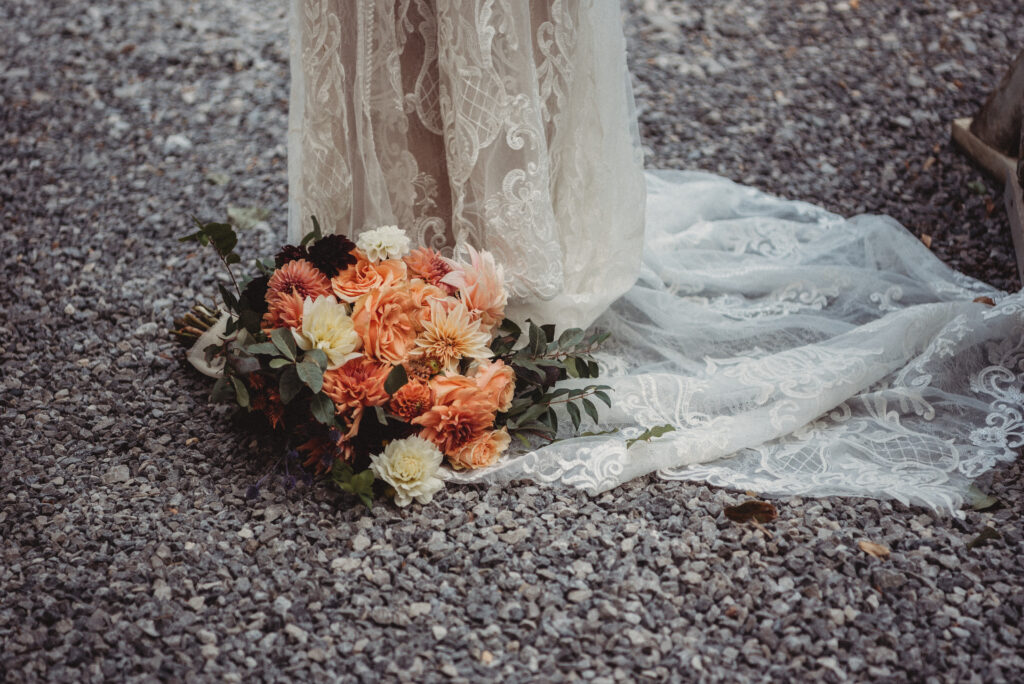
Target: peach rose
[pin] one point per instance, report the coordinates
(385, 320)
(456, 420)
(354, 386)
(497, 381)
(412, 400)
(481, 285)
(284, 310)
(482, 451)
(423, 293)
(357, 280)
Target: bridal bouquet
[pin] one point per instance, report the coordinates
(374, 363)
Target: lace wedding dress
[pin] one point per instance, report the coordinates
(790, 351)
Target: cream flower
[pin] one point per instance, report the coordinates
(386, 242)
(450, 336)
(410, 466)
(327, 326)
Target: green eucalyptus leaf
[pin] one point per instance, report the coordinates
(603, 396)
(549, 332)
(310, 375)
(591, 410)
(262, 348)
(537, 341)
(522, 438)
(509, 327)
(317, 356)
(322, 409)
(574, 414)
(571, 367)
(396, 379)
(651, 433)
(285, 342)
(280, 362)
(221, 391)
(570, 338)
(230, 300)
(531, 414)
(241, 392)
(290, 384)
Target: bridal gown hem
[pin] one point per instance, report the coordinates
(785, 349)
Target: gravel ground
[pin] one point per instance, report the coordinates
(129, 551)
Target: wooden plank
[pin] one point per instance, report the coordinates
(1004, 169)
(992, 160)
(1014, 195)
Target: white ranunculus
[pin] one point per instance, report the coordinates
(327, 326)
(410, 466)
(386, 242)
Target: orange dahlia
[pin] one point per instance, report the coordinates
(284, 310)
(460, 417)
(412, 400)
(354, 386)
(300, 277)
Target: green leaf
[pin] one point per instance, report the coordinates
(593, 370)
(591, 410)
(987, 534)
(382, 417)
(310, 375)
(549, 332)
(651, 433)
(603, 396)
(574, 414)
(221, 235)
(396, 379)
(285, 342)
(290, 385)
(247, 217)
(229, 298)
(977, 187)
(217, 178)
(317, 356)
(262, 348)
(313, 235)
(571, 368)
(979, 500)
(522, 438)
(531, 414)
(280, 362)
(322, 409)
(241, 392)
(221, 391)
(537, 341)
(571, 337)
(232, 258)
(509, 327)
(198, 236)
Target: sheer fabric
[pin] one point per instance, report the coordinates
(786, 349)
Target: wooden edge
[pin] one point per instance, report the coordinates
(992, 160)
(1014, 195)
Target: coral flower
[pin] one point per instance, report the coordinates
(385, 319)
(412, 400)
(356, 281)
(432, 267)
(481, 284)
(458, 419)
(284, 310)
(450, 336)
(497, 381)
(482, 451)
(300, 276)
(354, 386)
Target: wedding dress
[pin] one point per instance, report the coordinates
(783, 348)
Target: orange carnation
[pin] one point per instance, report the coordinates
(284, 310)
(431, 266)
(359, 279)
(497, 381)
(354, 386)
(482, 451)
(412, 400)
(385, 319)
(299, 277)
(461, 415)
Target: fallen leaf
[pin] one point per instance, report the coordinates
(977, 499)
(247, 217)
(927, 240)
(985, 300)
(757, 511)
(987, 534)
(873, 549)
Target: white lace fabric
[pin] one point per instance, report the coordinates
(790, 350)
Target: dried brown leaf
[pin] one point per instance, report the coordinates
(873, 549)
(757, 511)
(988, 301)
(987, 534)
(927, 240)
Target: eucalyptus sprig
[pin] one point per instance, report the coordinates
(541, 363)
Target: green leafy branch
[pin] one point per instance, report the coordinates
(223, 239)
(298, 371)
(347, 480)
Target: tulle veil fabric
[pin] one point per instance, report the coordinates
(781, 348)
